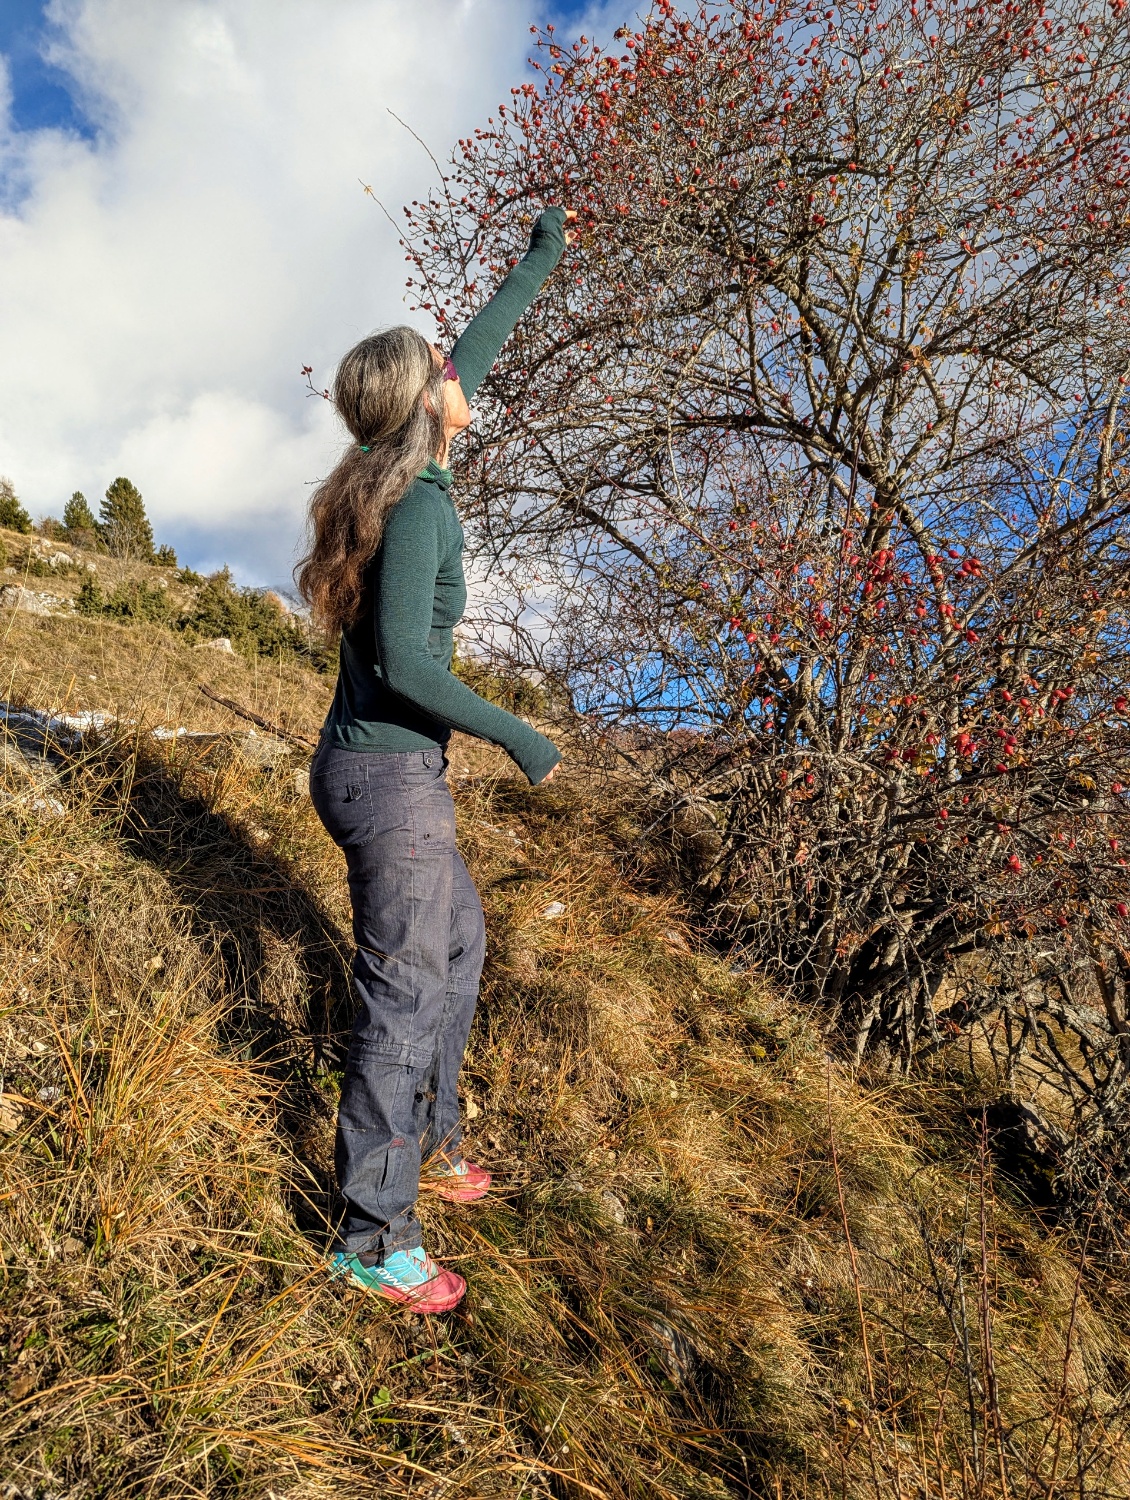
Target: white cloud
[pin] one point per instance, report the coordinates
(162, 284)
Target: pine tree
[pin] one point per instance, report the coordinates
(123, 524)
(12, 513)
(79, 522)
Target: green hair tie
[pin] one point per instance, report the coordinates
(363, 448)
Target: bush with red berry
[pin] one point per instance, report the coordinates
(814, 454)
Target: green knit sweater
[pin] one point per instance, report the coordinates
(395, 688)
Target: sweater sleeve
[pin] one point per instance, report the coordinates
(407, 567)
(479, 344)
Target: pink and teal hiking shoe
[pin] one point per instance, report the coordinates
(408, 1277)
(459, 1182)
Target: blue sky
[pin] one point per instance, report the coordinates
(182, 228)
(42, 95)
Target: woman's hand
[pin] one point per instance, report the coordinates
(549, 775)
(570, 236)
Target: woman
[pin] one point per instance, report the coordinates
(385, 568)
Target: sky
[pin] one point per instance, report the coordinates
(182, 228)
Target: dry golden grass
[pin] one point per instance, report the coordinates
(714, 1265)
(151, 673)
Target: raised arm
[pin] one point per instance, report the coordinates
(409, 562)
(480, 342)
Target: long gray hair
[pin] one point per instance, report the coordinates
(388, 391)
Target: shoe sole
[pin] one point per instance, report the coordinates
(460, 1195)
(417, 1301)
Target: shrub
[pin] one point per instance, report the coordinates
(12, 513)
(137, 600)
(253, 620)
(515, 692)
(245, 616)
(89, 600)
(131, 600)
(165, 557)
(52, 528)
(190, 577)
(830, 424)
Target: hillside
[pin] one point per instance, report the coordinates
(716, 1264)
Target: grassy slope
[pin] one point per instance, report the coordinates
(714, 1264)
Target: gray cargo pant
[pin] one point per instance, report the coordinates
(418, 926)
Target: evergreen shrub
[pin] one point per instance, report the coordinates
(12, 513)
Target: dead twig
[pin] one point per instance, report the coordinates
(254, 718)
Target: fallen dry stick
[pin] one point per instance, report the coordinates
(245, 713)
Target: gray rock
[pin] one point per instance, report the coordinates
(13, 762)
(15, 596)
(11, 1115)
(48, 807)
(33, 748)
(39, 734)
(673, 1350)
(613, 1207)
(36, 779)
(262, 749)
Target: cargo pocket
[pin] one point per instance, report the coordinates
(433, 811)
